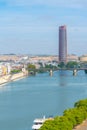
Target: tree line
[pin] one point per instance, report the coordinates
(71, 118)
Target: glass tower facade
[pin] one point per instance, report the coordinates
(62, 44)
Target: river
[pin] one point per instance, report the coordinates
(35, 96)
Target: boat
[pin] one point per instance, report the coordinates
(38, 123)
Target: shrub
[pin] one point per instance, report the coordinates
(71, 118)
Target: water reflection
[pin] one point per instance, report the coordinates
(5, 87)
(62, 78)
(63, 96)
(63, 73)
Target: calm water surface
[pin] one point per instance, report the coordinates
(24, 100)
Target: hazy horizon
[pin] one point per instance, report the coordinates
(26, 54)
(31, 27)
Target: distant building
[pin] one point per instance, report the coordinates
(62, 44)
(72, 57)
(4, 70)
(83, 58)
(8, 68)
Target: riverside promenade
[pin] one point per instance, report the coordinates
(12, 77)
(82, 126)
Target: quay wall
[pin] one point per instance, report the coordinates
(12, 77)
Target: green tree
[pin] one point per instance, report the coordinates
(72, 64)
(71, 118)
(15, 71)
(31, 67)
(62, 65)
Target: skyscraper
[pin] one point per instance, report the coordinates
(62, 44)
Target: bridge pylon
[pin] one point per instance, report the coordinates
(74, 72)
(51, 73)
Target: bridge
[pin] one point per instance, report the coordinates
(50, 70)
(72, 69)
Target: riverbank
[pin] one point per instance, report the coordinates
(82, 126)
(12, 77)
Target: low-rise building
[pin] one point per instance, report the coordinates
(83, 58)
(72, 57)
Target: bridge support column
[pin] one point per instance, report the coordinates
(74, 72)
(51, 73)
(85, 71)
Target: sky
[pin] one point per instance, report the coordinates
(31, 26)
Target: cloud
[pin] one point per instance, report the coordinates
(58, 3)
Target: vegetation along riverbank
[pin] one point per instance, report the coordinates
(71, 118)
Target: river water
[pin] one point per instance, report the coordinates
(24, 100)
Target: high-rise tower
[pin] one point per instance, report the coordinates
(62, 44)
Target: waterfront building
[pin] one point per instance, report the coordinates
(0, 70)
(4, 70)
(83, 58)
(62, 44)
(8, 68)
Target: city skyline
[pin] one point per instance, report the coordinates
(31, 27)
